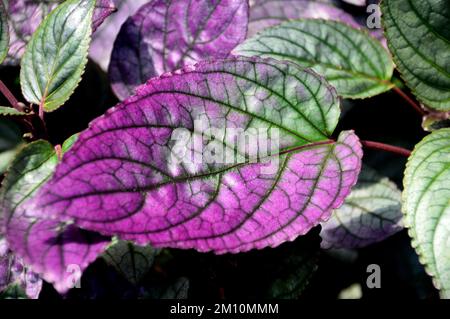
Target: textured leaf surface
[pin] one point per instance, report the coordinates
(56, 55)
(122, 176)
(267, 13)
(131, 261)
(371, 213)
(9, 111)
(353, 62)
(166, 35)
(4, 33)
(426, 204)
(103, 9)
(51, 248)
(103, 38)
(15, 278)
(419, 39)
(26, 15)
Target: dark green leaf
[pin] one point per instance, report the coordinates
(418, 36)
(426, 204)
(56, 55)
(353, 62)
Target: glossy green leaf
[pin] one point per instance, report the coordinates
(426, 204)
(353, 62)
(4, 32)
(132, 261)
(371, 213)
(56, 55)
(418, 35)
(9, 111)
(13, 292)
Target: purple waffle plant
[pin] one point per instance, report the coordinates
(227, 138)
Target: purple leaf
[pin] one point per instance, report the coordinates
(14, 272)
(103, 9)
(370, 214)
(26, 15)
(57, 251)
(266, 13)
(166, 35)
(103, 39)
(125, 176)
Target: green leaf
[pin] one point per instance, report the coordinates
(418, 36)
(352, 61)
(371, 213)
(426, 204)
(13, 292)
(5, 159)
(38, 160)
(298, 269)
(131, 261)
(4, 32)
(9, 111)
(56, 55)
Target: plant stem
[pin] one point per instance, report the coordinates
(10, 97)
(409, 100)
(387, 148)
(41, 111)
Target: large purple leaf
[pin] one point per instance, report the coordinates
(56, 250)
(24, 17)
(103, 39)
(166, 35)
(125, 176)
(266, 13)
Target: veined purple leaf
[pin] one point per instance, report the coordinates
(57, 251)
(267, 13)
(103, 9)
(164, 36)
(103, 38)
(127, 174)
(24, 17)
(371, 213)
